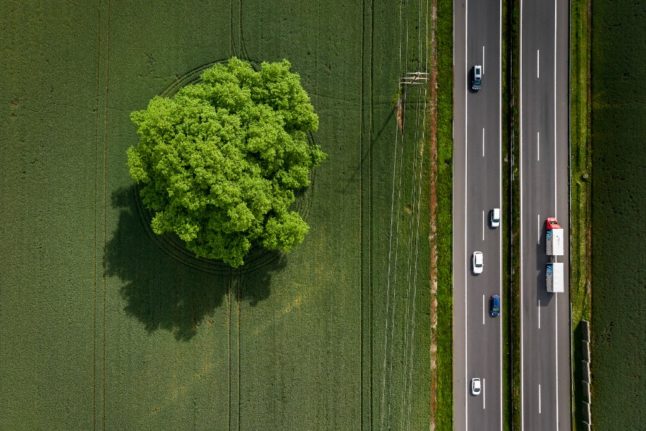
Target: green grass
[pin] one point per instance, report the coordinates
(581, 160)
(444, 221)
(514, 215)
(580, 190)
(103, 328)
(618, 208)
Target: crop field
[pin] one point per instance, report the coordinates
(618, 208)
(105, 326)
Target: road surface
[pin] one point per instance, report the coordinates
(477, 189)
(545, 335)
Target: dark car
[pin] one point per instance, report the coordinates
(476, 77)
(494, 306)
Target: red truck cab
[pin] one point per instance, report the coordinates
(552, 223)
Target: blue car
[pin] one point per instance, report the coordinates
(494, 306)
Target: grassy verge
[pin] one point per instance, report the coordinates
(580, 189)
(580, 160)
(514, 214)
(444, 180)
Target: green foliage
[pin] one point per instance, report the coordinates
(219, 163)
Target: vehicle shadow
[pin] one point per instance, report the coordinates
(162, 291)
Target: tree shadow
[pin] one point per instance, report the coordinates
(161, 288)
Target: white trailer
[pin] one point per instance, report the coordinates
(554, 277)
(554, 242)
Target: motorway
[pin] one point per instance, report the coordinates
(477, 188)
(544, 182)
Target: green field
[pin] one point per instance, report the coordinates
(618, 208)
(103, 326)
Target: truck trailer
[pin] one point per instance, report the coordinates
(554, 277)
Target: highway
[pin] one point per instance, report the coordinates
(477, 188)
(544, 182)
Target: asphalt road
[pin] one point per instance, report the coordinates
(545, 335)
(477, 189)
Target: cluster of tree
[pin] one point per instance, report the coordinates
(220, 162)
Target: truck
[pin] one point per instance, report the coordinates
(553, 237)
(554, 277)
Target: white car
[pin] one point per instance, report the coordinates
(494, 218)
(476, 388)
(477, 262)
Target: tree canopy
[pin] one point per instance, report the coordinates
(220, 163)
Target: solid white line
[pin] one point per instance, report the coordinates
(483, 59)
(484, 395)
(483, 309)
(538, 228)
(483, 223)
(500, 203)
(483, 139)
(466, 176)
(522, 323)
(539, 399)
(555, 156)
(539, 314)
(556, 326)
(538, 146)
(538, 63)
(556, 357)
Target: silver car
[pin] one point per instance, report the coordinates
(494, 218)
(476, 78)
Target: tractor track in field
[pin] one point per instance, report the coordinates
(102, 95)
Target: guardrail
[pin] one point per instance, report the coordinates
(586, 402)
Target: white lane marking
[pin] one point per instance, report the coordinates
(484, 395)
(483, 309)
(466, 176)
(556, 357)
(539, 399)
(556, 305)
(483, 223)
(538, 63)
(538, 228)
(483, 139)
(483, 59)
(539, 314)
(522, 322)
(500, 202)
(538, 146)
(555, 157)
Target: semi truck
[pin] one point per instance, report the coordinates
(554, 246)
(554, 277)
(553, 237)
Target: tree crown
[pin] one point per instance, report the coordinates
(220, 163)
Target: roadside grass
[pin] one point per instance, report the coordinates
(580, 191)
(444, 35)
